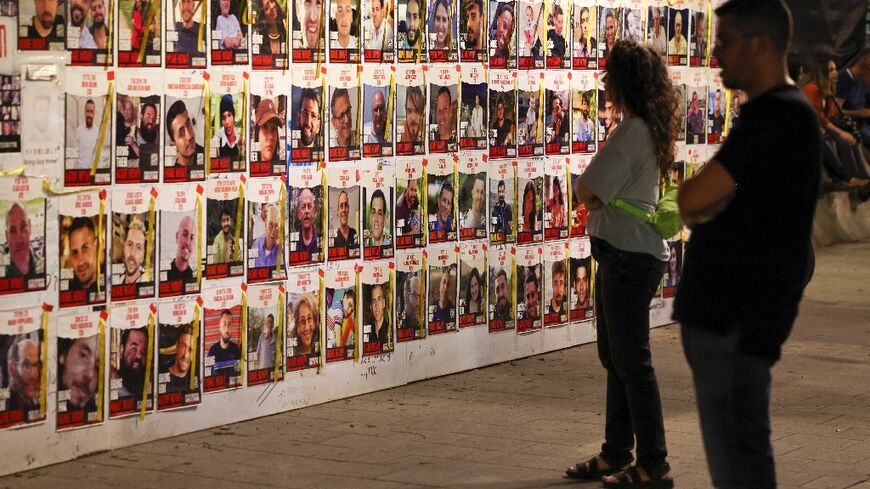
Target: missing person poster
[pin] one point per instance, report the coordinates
(502, 200)
(529, 288)
(378, 189)
(138, 126)
(410, 32)
(378, 107)
(23, 250)
(555, 198)
(133, 254)
(42, 119)
(633, 16)
(378, 19)
(556, 283)
(443, 106)
(307, 226)
(530, 186)
(410, 203)
(88, 128)
(224, 223)
(584, 35)
(558, 38)
(345, 112)
(343, 186)
(185, 122)
(472, 169)
(304, 324)
(23, 334)
(530, 118)
(131, 358)
(502, 296)
(410, 109)
(267, 217)
(442, 37)
(609, 27)
(10, 113)
(441, 190)
(308, 25)
(715, 109)
(675, 268)
(657, 27)
(227, 130)
(579, 212)
(265, 329)
(268, 113)
(82, 219)
(377, 308)
(229, 36)
(557, 97)
(139, 35)
(502, 110)
(186, 33)
(181, 239)
(472, 39)
(581, 273)
(90, 32)
(531, 23)
(472, 284)
(700, 48)
(308, 114)
(584, 115)
(696, 107)
(473, 120)
(42, 25)
(678, 32)
(80, 368)
(269, 45)
(222, 337)
(342, 313)
(441, 314)
(179, 336)
(680, 78)
(410, 298)
(500, 30)
(344, 31)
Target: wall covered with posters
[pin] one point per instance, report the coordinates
(215, 211)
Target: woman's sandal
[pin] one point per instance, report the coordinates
(631, 479)
(588, 471)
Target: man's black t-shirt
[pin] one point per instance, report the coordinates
(747, 268)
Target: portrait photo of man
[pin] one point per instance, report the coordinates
(678, 45)
(267, 246)
(408, 209)
(502, 215)
(225, 352)
(531, 292)
(375, 127)
(180, 361)
(78, 362)
(345, 235)
(343, 119)
(83, 256)
(471, 25)
(442, 114)
(132, 355)
(557, 120)
(657, 31)
(44, 21)
(376, 322)
(266, 344)
(378, 26)
(580, 273)
(306, 126)
(187, 29)
(86, 132)
(558, 286)
(185, 243)
(442, 218)
(378, 223)
(226, 28)
(308, 26)
(502, 130)
(410, 31)
(412, 295)
(472, 201)
(24, 372)
(180, 128)
(142, 140)
(442, 297)
(224, 247)
(228, 138)
(501, 32)
(132, 256)
(410, 120)
(501, 308)
(22, 241)
(345, 34)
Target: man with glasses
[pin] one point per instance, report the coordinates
(342, 119)
(268, 245)
(305, 212)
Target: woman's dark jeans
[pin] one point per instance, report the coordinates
(625, 283)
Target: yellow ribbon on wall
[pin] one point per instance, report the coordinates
(149, 237)
(194, 375)
(149, 361)
(101, 369)
(421, 332)
(279, 340)
(104, 125)
(237, 240)
(279, 263)
(43, 387)
(101, 241)
(198, 240)
(13, 172)
(201, 35)
(206, 96)
(244, 334)
(149, 19)
(322, 332)
(357, 341)
(390, 101)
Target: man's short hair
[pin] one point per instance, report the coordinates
(558, 268)
(501, 273)
(175, 110)
(90, 101)
(149, 104)
(339, 92)
(378, 194)
(501, 183)
(557, 10)
(125, 334)
(309, 94)
(227, 312)
(531, 278)
(446, 185)
(771, 18)
(502, 8)
(136, 224)
(81, 223)
(469, 4)
(446, 91)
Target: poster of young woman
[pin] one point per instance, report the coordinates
(304, 320)
(584, 116)
(530, 187)
(228, 127)
(179, 357)
(341, 313)
(182, 246)
(134, 252)
(89, 127)
(23, 393)
(265, 329)
(529, 288)
(223, 324)
(23, 250)
(584, 36)
(268, 114)
(610, 28)
(269, 45)
(502, 295)
(555, 283)
(80, 368)
(131, 358)
(224, 223)
(472, 168)
(410, 298)
(377, 308)
(138, 126)
(82, 219)
(441, 313)
(472, 284)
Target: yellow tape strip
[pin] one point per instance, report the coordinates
(389, 101)
(423, 279)
(322, 332)
(239, 216)
(107, 112)
(389, 344)
(279, 340)
(201, 35)
(149, 19)
(194, 375)
(244, 335)
(12, 172)
(357, 341)
(101, 368)
(279, 263)
(149, 361)
(206, 97)
(198, 240)
(323, 232)
(242, 148)
(43, 388)
(101, 244)
(149, 243)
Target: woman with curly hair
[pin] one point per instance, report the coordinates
(306, 320)
(631, 260)
(530, 216)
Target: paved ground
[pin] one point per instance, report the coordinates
(517, 425)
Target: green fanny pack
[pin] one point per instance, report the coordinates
(666, 218)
